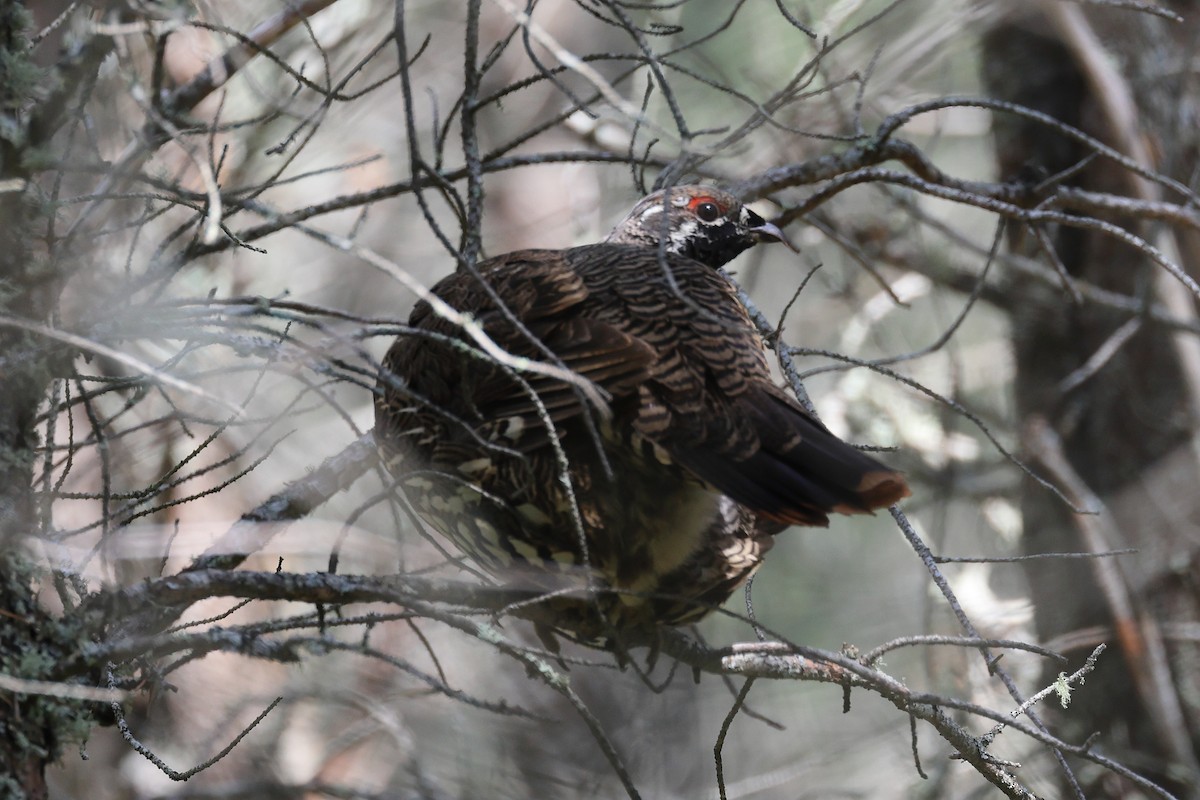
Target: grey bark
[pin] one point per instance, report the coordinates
(1127, 430)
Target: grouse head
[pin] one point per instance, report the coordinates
(700, 222)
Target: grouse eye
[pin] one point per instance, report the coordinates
(708, 211)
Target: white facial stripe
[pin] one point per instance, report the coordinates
(682, 236)
(652, 211)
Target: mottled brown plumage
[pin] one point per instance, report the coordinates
(679, 490)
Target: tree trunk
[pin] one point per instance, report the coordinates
(1126, 430)
(33, 101)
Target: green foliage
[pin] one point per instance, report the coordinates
(22, 78)
(31, 649)
(18, 80)
(19, 77)
(37, 159)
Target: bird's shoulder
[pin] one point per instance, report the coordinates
(629, 286)
(526, 283)
(667, 308)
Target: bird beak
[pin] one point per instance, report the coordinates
(769, 230)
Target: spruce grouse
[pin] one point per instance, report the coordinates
(676, 490)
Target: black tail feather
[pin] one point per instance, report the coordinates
(800, 472)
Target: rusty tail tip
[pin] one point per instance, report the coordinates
(882, 488)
